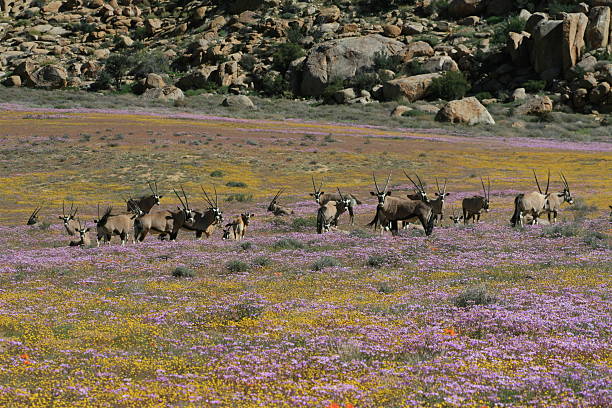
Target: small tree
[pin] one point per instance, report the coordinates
(286, 53)
(451, 85)
(116, 67)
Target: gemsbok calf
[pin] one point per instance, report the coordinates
(277, 209)
(554, 201)
(109, 225)
(533, 204)
(456, 219)
(322, 198)
(69, 220)
(474, 206)
(328, 213)
(393, 209)
(239, 226)
(146, 203)
(84, 239)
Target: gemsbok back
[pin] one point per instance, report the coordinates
(205, 223)
(69, 220)
(533, 204)
(277, 209)
(322, 198)
(328, 213)
(554, 201)
(393, 209)
(164, 222)
(146, 203)
(109, 225)
(474, 206)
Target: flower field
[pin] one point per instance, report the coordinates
(472, 316)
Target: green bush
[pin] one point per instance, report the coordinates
(325, 262)
(273, 84)
(240, 197)
(377, 261)
(512, 24)
(562, 6)
(561, 230)
(384, 61)
(534, 86)
(150, 63)
(451, 85)
(245, 246)
(217, 173)
(285, 54)
(365, 81)
(301, 223)
(476, 296)
(237, 266)
(483, 95)
(262, 261)
(239, 184)
(597, 240)
(288, 243)
(183, 272)
(115, 68)
(329, 91)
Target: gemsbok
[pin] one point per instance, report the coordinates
(69, 220)
(205, 223)
(164, 222)
(109, 225)
(437, 205)
(322, 198)
(554, 201)
(277, 209)
(474, 206)
(34, 216)
(84, 239)
(419, 189)
(328, 213)
(146, 203)
(393, 209)
(533, 204)
(239, 226)
(456, 219)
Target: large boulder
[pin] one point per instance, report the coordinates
(412, 88)
(464, 8)
(440, 63)
(196, 79)
(467, 110)
(238, 101)
(417, 49)
(342, 59)
(574, 27)
(47, 77)
(537, 105)
(598, 29)
(546, 51)
(167, 93)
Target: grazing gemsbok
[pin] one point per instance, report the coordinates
(206, 222)
(475, 205)
(111, 224)
(84, 239)
(239, 226)
(164, 222)
(419, 189)
(321, 198)
(393, 209)
(328, 213)
(276, 209)
(554, 201)
(146, 203)
(69, 220)
(456, 219)
(34, 216)
(533, 204)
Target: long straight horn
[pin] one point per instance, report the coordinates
(548, 182)
(537, 182)
(179, 197)
(314, 187)
(216, 197)
(185, 195)
(420, 182)
(63, 209)
(156, 189)
(489, 188)
(387, 183)
(151, 187)
(98, 211)
(412, 181)
(438, 186)
(75, 211)
(206, 197)
(484, 189)
(444, 188)
(375, 183)
(341, 196)
(565, 183)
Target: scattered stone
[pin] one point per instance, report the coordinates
(392, 31)
(412, 88)
(519, 94)
(439, 64)
(399, 110)
(167, 93)
(238, 101)
(537, 105)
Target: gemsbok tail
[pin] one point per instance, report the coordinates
(517, 211)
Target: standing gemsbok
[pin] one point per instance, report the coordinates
(238, 227)
(554, 201)
(164, 222)
(321, 198)
(419, 189)
(69, 220)
(207, 221)
(393, 209)
(277, 209)
(437, 205)
(533, 204)
(474, 206)
(109, 225)
(328, 213)
(146, 203)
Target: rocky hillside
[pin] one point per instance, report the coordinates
(338, 51)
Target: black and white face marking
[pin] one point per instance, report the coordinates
(485, 205)
(567, 197)
(381, 197)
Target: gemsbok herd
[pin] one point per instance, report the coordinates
(392, 211)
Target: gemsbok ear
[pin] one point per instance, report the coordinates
(312, 194)
(252, 215)
(371, 192)
(445, 194)
(322, 192)
(60, 217)
(389, 193)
